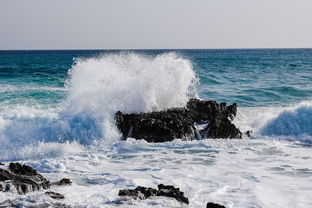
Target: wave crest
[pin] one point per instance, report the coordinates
(291, 122)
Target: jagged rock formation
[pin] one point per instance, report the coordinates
(198, 120)
(20, 179)
(163, 190)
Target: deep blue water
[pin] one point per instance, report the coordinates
(258, 77)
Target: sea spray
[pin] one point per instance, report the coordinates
(97, 87)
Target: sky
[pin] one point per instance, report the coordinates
(149, 24)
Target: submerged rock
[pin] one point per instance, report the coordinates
(181, 123)
(54, 195)
(163, 190)
(213, 205)
(21, 179)
(62, 182)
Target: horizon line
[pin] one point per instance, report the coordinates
(138, 49)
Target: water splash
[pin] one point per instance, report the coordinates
(98, 87)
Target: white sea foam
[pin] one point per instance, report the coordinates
(235, 173)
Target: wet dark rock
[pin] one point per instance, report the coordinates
(62, 182)
(157, 126)
(1, 163)
(20, 169)
(54, 195)
(171, 191)
(163, 190)
(213, 205)
(248, 133)
(22, 179)
(180, 123)
(139, 192)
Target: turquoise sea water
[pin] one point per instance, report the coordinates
(266, 77)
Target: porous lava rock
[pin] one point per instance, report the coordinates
(163, 190)
(213, 118)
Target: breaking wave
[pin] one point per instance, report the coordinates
(96, 88)
(294, 122)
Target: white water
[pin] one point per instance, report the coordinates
(78, 140)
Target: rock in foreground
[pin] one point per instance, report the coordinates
(21, 179)
(198, 120)
(213, 205)
(144, 193)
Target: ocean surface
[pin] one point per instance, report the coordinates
(57, 115)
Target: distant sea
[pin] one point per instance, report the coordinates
(57, 115)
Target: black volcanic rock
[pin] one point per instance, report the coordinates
(213, 205)
(54, 195)
(139, 192)
(171, 191)
(163, 190)
(157, 126)
(62, 182)
(179, 123)
(20, 169)
(22, 179)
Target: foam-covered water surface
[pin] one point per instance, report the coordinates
(235, 173)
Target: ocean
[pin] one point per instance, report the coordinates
(57, 115)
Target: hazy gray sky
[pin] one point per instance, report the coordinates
(115, 24)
